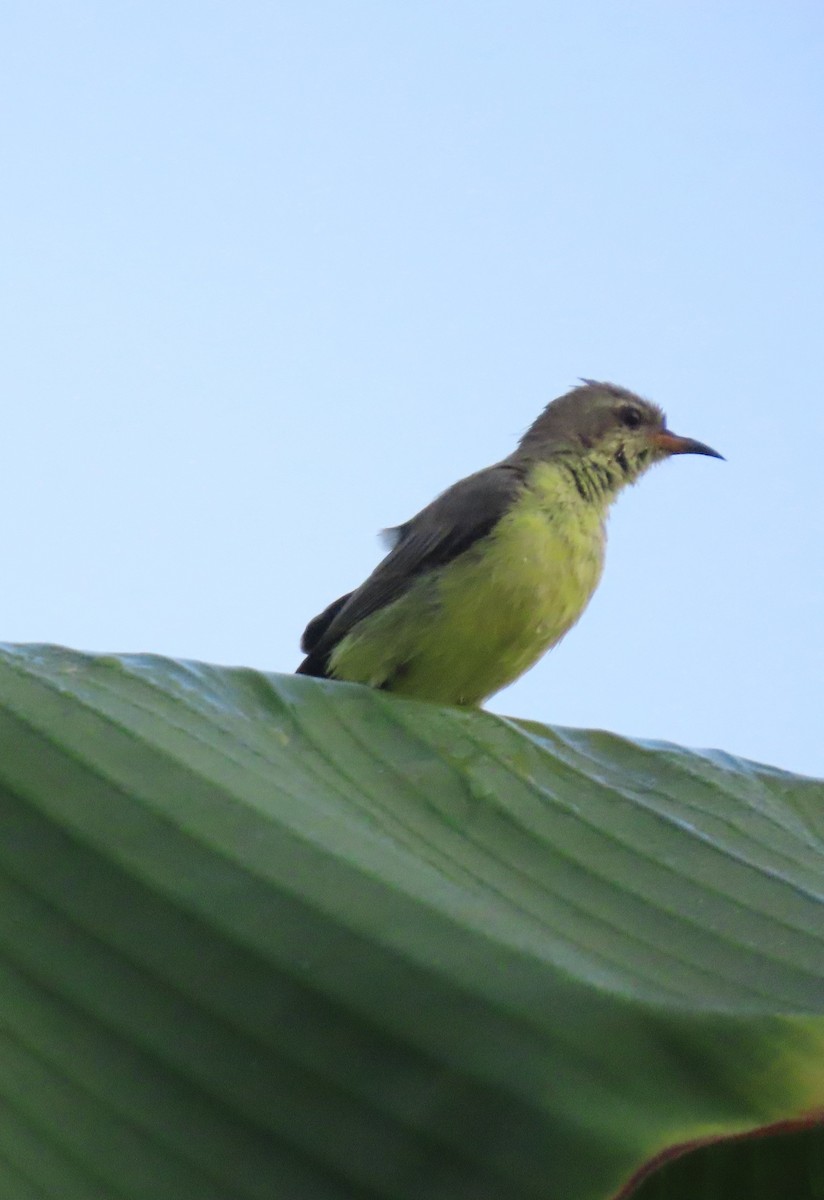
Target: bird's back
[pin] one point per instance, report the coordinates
(461, 633)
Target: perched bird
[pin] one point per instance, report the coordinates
(496, 570)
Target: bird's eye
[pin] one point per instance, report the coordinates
(630, 417)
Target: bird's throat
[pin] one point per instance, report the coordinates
(598, 477)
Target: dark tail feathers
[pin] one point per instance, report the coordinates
(317, 657)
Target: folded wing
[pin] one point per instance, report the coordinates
(446, 528)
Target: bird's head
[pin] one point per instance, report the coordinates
(613, 428)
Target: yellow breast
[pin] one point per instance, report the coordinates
(464, 632)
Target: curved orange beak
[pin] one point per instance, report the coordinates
(671, 443)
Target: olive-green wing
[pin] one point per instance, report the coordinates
(446, 528)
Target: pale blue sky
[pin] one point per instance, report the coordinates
(275, 274)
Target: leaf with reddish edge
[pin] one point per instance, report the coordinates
(268, 936)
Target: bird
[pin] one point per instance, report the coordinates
(498, 568)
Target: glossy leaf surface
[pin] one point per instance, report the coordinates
(265, 936)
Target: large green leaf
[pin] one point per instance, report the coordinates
(264, 936)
